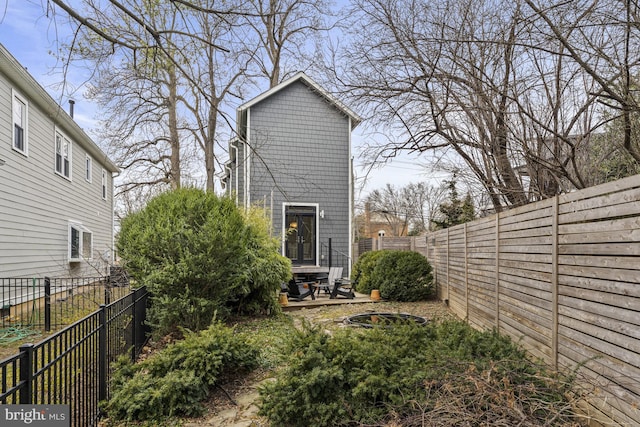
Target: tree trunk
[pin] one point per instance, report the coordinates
(209, 156)
(172, 101)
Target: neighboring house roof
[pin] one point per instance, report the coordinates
(36, 94)
(306, 80)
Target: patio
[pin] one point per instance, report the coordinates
(324, 299)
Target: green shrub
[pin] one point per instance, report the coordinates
(210, 352)
(146, 397)
(362, 275)
(403, 276)
(175, 381)
(364, 377)
(198, 254)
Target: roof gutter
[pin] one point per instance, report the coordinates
(36, 94)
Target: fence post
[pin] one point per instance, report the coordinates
(47, 304)
(26, 374)
(497, 296)
(107, 291)
(134, 325)
(141, 307)
(330, 264)
(554, 283)
(466, 275)
(447, 269)
(102, 354)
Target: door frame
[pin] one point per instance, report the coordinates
(316, 207)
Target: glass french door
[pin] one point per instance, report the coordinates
(300, 223)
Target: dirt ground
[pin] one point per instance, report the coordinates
(235, 406)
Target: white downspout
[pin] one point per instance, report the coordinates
(350, 201)
(114, 254)
(248, 154)
(235, 173)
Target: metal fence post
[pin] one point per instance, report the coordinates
(47, 304)
(107, 291)
(102, 351)
(26, 374)
(134, 325)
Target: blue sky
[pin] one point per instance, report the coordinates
(31, 37)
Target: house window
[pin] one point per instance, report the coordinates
(88, 168)
(19, 111)
(104, 184)
(80, 243)
(87, 244)
(63, 155)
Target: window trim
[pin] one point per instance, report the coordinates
(88, 168)
(79, 254)
(69, 155)
(25, 129)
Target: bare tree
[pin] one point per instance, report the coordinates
(163, 103)
(388, 203)
(410, 209)
(157, 37)
(140, 92)
(423, 200)
(177, 46)
(285, 29)
(476, 81)
(602, 38)
(429, 70)
(219, 76)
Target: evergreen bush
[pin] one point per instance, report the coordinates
(175, 381)
(199, 254)
(403, 276)
(381, 375)
(362, 275)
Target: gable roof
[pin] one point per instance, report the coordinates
(306, 80)
(35, 93)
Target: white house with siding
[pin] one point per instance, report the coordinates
(293, 156)
(56, 185)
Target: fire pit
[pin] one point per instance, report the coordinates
(369, 320)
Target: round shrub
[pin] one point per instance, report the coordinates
(199, 254)
(362, 274)
(403, 276)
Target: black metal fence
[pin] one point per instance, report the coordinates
(54, 302)
(72, 367)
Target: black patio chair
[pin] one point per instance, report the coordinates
(300, 290)
(342, 288)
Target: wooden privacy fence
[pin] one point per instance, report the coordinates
(562, 276)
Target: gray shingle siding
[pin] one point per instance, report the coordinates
(300, 152)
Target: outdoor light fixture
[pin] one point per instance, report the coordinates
(322, 214)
